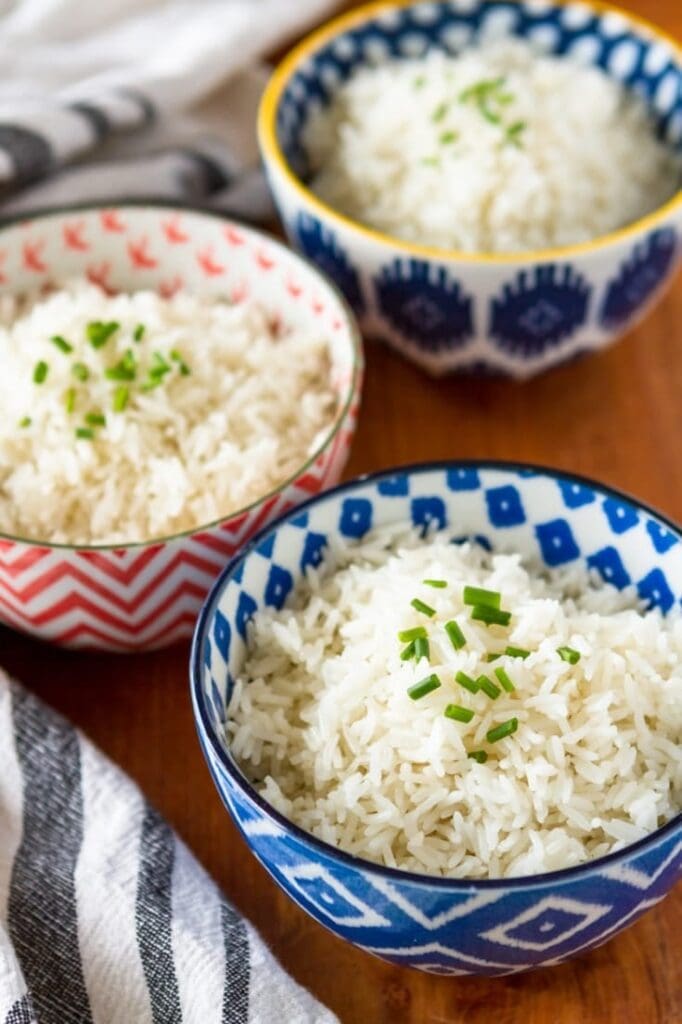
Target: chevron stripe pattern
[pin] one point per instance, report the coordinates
(440, 925)
(148, 596)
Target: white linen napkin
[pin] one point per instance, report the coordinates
(135, 99)
(105, 916)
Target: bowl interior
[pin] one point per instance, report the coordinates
(626, 49)
(550, 518)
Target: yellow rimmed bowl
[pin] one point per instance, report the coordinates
(513, 314)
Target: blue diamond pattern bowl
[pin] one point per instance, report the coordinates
(441, 925)
(512, 314)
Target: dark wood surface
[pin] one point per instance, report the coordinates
(617, 417)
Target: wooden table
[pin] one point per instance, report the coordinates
(617, 417)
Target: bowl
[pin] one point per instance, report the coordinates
(511, 314)
(443, 925)
(146, 595)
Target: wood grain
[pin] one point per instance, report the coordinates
(616, 416)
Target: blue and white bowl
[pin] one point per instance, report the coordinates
(511, 314)
(436, 924)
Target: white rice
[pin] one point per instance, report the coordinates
(321, 721)
(399, 149)
(192, 450)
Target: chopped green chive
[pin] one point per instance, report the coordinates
(95, 419)
(120, 400)
(420, 689)
(80, 371)
(503, 730)
(514, 133)
(477, 595)
(25, 421)
(70, 400)
(125, 368)
(440, 112)
(182, 365)
(493, 655)
(84, 433)
(138, 333)
(437, 584)
(479, 756)
(488, 687)
(40, 373)
(457, 713)
(405, 635)
(99, 332)
(419, 81)
(431, 161)
(516, 652)
(421, 647)
(445, 138)
(425, 609)
(568, 654)
(455, 634)
(491, 616)
(408, 652)
(504, 680)
(61, 343)
(467, 682)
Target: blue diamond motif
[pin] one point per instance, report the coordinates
(313, 550)
(655, 589)
(300, 521)
(356, 517)
(394, 486)
(246, 608)
(661, 538)
(539, 310)
(326, 898)
(639, 276)
(609, 565)
(217, 701)
(280, 582)
(238, 574)
(322, 246)
(574, 494)
(267, 546)
(424, 302)
(557, 542)
(463, 479)
(428, 513)
(621, 517)
(207, 652)
(547, 927)
(504, 506)
(222, 634)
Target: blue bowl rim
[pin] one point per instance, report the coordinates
(204, 725)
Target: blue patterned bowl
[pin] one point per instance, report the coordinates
(442, 925)
(512, 314)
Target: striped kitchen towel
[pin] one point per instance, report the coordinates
(136, 99)
(105, 916)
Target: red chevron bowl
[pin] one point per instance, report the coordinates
(147, 595)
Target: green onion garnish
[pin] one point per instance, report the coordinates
(80, 371)
(439, 113)
(493, 655)
(514, 132)
(568, 654)
(25, 421)
(516, 652)
(419, 81)
(504, 680)
(407, 653)
(488, 687)
(457, 713)
(61, 343)
(406, 635)
(99, 332)
(479, 756)
(477, 595)
(125, 368)
(96, 419)
(455, 634)
(70, 400)
(467, 682)
(425, 609)
(503, 730)
(40, 372)
(491, 616)
(138, 333)
(423, 687)
(436, 584)
(84, 433)
(182, 365)
(445, 138)
(120, 401)
(421, 647)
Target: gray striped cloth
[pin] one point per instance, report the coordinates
(137, 99)
(105, 916)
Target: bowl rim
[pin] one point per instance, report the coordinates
(315, 40)
(353, 388)
(205, 730)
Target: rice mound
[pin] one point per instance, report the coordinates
(498, 149)
(253, 406)
(321, 722)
